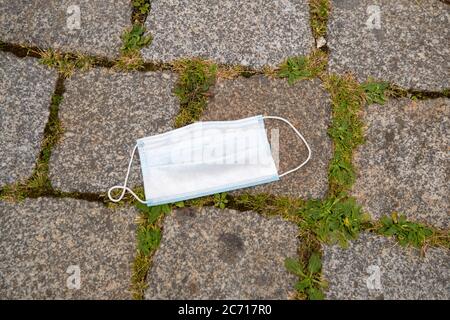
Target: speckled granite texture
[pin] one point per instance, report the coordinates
(49, 24)
(410, 49)
(403, 166)
(222, 254)
(103, 114)
(40, 239)
(403, 273)
(25, 95)
(250, 33)
(306, 105)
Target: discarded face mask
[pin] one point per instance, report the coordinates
(205, 158)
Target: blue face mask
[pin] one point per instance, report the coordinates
(205, 158)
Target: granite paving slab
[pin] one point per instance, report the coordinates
(375, 267)
(103, 113)
(26, 88)
(211, 253)
(92, 27)
(405, 42)
(403, 166)
(305, 104)
(250, 33)
(65, 249)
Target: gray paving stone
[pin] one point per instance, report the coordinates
(403, 166)
(41, 238)
(305, 104)
(250, 33)
(222, 254)
(25, 95)
(103, 113)
(352, 273)
(49, 24)
(410, 48)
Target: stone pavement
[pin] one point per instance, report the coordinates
(402, 41)
(374, 267)
(85, 26)
(209, 252)
(103, 114)
(242, 256)
(26, 88)
(249, 33)
(46, 243)
(403, 166)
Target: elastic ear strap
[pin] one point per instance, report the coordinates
(301, 137)
(124, 187)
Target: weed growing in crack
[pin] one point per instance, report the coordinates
(142, 7)
(411, 233)
(130, 61)
(333, 220)
(310, 283)
(268, 205)
(395, 91)
(220, 200)
(375, 91)
(148, 237)
(133, 40)
(66, 63)
(318, 12)
(195, 78)
(303, 67)
(233, 71)
(346, 130)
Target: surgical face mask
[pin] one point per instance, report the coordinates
(205, 158)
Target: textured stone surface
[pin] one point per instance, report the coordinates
(103, 114)
(41, 238)
(25, 95)
(403, 166)
(306, 105)
(403, 273)
(222, 254)
(251, 33)
(410, 49)
(49, 24)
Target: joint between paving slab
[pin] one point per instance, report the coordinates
(39, 184)
(224, 71)
(140, 11)
(318, 15)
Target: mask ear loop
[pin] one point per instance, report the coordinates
(301, 137)
(124, 186)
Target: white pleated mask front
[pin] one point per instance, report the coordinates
(205, 158)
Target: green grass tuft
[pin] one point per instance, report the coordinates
(406, 232)
(148, 238)
(196, 77)
(142, 6)
(310, 283)
(66, 63)
(319, 11)
(333, 220)
(267, 205)
(220, 200)
(135, 39)
(375, 91)
(303, 67)
(346, 130)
